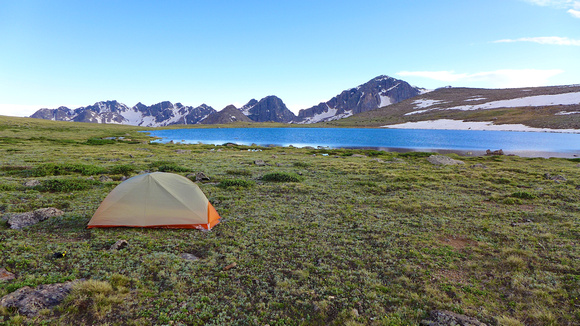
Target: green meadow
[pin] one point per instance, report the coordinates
(318, 237)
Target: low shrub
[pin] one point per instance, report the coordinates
(235, 183)
(281, 177)
(99, 141)
(416, 154)
(523, 195)
(50, 169)
(66, 185)
(239, 172)
(167, 166)
(124, 169)
(301, 164)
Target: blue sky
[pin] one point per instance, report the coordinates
(75, 53)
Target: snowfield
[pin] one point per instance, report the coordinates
(539, 100)
(472, 125)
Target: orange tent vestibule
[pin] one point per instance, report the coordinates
(156, 200)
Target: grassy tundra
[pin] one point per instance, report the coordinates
(316, 239)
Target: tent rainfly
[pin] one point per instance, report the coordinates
(156, 200)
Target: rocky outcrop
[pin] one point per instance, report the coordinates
(29, 301)
(376, 93)
(229, 114)
(22, 220)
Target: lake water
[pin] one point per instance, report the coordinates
(520, 143)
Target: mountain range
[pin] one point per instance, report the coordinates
(376, 93)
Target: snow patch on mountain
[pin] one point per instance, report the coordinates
(449, 124)
(533, 101)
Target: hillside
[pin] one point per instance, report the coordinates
(556, 107)
(312, 237)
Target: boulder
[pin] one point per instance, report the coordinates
(446, 318)
(358, 155)
(183, 151)
(105, 178)
(32, 183)
(120, 244)
(200, 176)
(259, 162)
(22, 220)
(6, 275)
(29, 301)
(556, 178)
(377, 160)
(478, 165)
(498, 152)
(443, 160)
(187, 256)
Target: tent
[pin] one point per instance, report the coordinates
(156, 200)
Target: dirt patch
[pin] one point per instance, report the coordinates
(457, 242)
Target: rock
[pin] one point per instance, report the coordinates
(6, 275)
(131, 156)
(274, 156)
(443, 160)
(123, 178)
(182, 151)
(377, 160)
(556, 178)
(200, 176)
(119, 245)
(187, 256)
(29, 301)
(358, 155)
(479, 165)
(498, 152)
(259, 162)
(230, 266)
(22, 220)
(447, 318)
(105, 178)
(32, 183)
(279, 164)
(396, 160)
(577, 187)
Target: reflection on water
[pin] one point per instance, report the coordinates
(476, 141)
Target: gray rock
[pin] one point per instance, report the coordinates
(274, 156)
(358, 155)
(200, 176)
(187, 256)
(556, 178)
(448, 318)
(259, 162)
(182, 151)
(6, 275)
(105, 178)
(498, 152)
(29, 301)
(377, 160)
(443, 160)
(120, 244)
(32, 183)
(479, 165)
(22, 220)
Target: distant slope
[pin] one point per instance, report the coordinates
(556, 107)
(229, 114)
(376, 93)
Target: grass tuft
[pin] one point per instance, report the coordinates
(281, 177)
